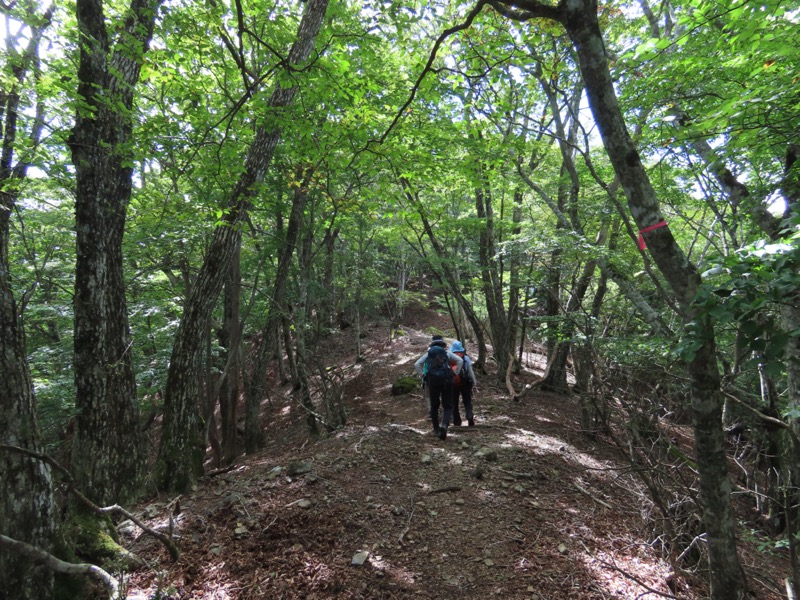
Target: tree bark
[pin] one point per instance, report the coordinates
(180, 454)
(27, 505)
(580, 21)
(579, 18)
(27, 508)
(492, 286)
(229, 394)
(107, 458)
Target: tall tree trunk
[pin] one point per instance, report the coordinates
(445, 275)
(556, 377)
(301, 316)
(727, 582)
(491, 277)
(552, 301)
(579, 18)
(107, 459)
(327, 305)
(27, 508)
(229, 394)
(255, 390)
(514, 278)
(568, 190)
(180, 454)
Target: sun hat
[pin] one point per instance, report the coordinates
(457, 347)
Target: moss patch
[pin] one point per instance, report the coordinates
(404, 385)
(93, 538)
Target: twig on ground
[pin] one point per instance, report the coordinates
(629, 576)
(519, 475)
(585, 491)
(270, 524)
(358, 443)
(683, 554)
(295, 502)
(408, 523)
(222, 470)
(447, 488)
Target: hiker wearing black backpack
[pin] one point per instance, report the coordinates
(463, 385)
(434, 367)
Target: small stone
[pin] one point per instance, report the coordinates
(127, 527)
(304, 503)
(459, 501)
(359, 558)
(426, 459)
(298, 468)
(487, 454)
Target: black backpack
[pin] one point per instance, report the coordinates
(437, 367)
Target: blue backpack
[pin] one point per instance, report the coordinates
(437, 367)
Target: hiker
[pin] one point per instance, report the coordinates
(434, 367)
(463, 386)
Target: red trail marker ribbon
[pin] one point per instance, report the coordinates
(642, 245)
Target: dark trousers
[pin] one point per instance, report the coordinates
(441, 395)
(465, 391)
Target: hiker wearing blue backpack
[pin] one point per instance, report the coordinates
(463, 385)
(434, 367)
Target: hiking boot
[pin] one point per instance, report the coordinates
(443, 433)
(471, 422)
(457, 423)
(436, 432)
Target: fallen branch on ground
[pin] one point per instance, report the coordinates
(408, 523)
(519, 475)
(115, 508)
(585, 491)
(447, 488)
(629, 576)
(518, 396)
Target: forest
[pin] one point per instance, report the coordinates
(198, 199)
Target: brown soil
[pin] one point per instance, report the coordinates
(555, 516)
